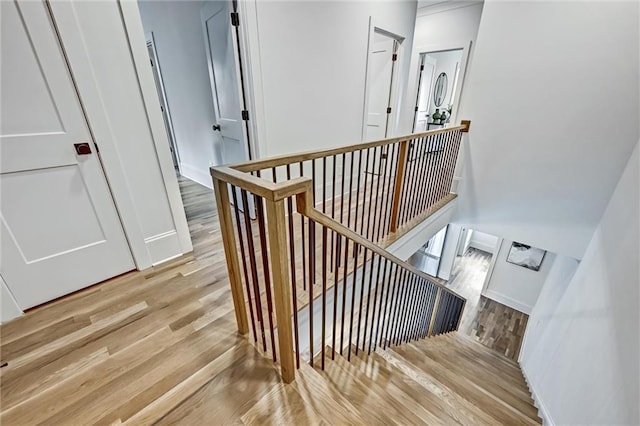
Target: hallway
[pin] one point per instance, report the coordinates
(493, 324)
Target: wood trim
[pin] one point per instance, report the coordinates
(304, 204)
(466, 124)
(231, 253)
(408, 226)
(397, 192)
(434, 314)
(261, 187)
(267, 163)
(276, 228)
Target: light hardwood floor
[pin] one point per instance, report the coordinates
(160, 346)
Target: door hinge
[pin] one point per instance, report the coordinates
(245, 115)
(161, 108)
(151, 60)
(97, 147)
(394, 57)
(388, 110)
(416, 108)
(421, 67)
(235, 19)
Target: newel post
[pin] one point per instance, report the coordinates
(231, 253)
(281, 285)
(397, 191)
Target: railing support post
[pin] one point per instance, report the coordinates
(434, 314)
(231, 253)
(397, 191)
(281, 285)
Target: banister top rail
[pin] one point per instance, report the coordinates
(251, 166)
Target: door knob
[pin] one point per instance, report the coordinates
(82, 148)
(216, 127)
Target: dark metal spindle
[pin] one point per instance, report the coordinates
(236, 210)
(265, 266)
(254, 267)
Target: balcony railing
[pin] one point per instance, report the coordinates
(303, 236)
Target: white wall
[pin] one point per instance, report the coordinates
(581, 348)
(552, 94)
(484, 242)
(179, 40)
(516, 286)
(311, 80)
(445, 25)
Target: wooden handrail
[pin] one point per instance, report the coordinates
(258, 186)
(283, 160)
(306, 209)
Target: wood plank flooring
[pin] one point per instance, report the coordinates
(160, 346)
(493, 324)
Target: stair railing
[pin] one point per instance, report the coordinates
(316, 265)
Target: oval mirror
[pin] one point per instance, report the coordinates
(440, 89)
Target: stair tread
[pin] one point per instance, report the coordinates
(377, 368)
(350, 384)
(405, 409)
(458, 382)
(324, 398)
(512, 394)
(462, 354)
(454, 405)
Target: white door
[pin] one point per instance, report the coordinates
(60, 230)
(379, 86)
(427, 73)
(225, 85)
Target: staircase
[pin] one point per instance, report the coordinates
(304, 239)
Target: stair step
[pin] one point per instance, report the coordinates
(451, 403)
(414, 396)
(402, 408)
(512, 394)
(324, 398)
(461, 354)
(459, 382)
(356, 392)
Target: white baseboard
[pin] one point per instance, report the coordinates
(508, 301)
(196, 175)
(543, 412)
(163, 247)
(481, 246)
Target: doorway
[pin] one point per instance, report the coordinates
(380, 96)
(440, 75)
(162, 97)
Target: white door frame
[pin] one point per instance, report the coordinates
(440, 47)
(151, 41)
(393, 119)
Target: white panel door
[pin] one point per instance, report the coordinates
(60, 229)
(379, 88)
(223, 72)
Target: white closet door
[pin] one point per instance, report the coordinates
(60, 229)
